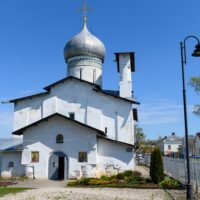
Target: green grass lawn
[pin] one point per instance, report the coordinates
(6, 190)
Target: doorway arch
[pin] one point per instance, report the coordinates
(58, 166)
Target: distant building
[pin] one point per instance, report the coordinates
(170, 145)
(191, 140)
(197, 144)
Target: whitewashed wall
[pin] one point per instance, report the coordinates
(18, 169)
(113, 157)
(77, 138)
(92, 108)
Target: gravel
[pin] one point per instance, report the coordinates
(90, 194)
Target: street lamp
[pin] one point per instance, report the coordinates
(196, 53)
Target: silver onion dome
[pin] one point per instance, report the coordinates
(84, 43)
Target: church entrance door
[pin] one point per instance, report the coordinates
(57, 166)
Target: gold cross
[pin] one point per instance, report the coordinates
(85, 9)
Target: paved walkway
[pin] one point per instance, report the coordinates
(40, 184)
(144, 170)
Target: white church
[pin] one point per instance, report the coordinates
(75, 128)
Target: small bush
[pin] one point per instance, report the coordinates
(137, 173)
(136, 180)
(113, 177)
(169, 183)
(84, 181)
(105, 178)
(128, 173)
(120, 176)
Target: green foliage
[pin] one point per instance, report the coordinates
(112, 177)
(169, 183)
(139, 135)
(195, 83)
(5, 190)
(105, 178)
(128, 173)
(84, 181)
(120, 176)
(136, 173)
(128, 178)
(156, 166)
(135, 180)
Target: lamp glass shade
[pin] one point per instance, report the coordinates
(196, 52)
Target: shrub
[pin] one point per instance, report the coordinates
(112, 177)
(84, 181)
(120, 176)
(156, 166)
(136, 180)
(128, 173)
(136, 173)
(169, 183)
(105, 178)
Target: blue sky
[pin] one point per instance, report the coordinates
(33, 34)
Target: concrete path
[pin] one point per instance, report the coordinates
(40, 184)
(144, 170)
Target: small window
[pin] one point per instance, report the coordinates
(34, 156)
(72, 116)
(59, 138)
(169, 147)
(11, 164)
(82, 157)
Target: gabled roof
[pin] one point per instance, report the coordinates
(115, 96)
(26, 97)
(171, 137)
(11, 144)
(96, 88)
(69, 78)
(116, 141)
(20, 131)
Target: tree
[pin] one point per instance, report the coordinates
(195, 83)
(156, 166)
(139, 136)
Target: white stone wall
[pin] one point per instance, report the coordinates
(77, 138)
(125, 84)
(92, 108)
(113, 157)
(86, 68)
(9, 172)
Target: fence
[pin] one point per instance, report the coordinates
(177, 168)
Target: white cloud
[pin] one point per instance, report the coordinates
(160, 111)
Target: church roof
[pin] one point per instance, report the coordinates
(11, 144)
(114, 94)
(20, 131)
(116, 141)
(84, 43)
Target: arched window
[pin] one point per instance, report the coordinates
(59, 138)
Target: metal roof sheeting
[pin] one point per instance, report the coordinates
(11, 144)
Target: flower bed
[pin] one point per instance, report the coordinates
(127, 179)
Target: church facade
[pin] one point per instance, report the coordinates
(75, 128)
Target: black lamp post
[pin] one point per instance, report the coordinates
(196, 53)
